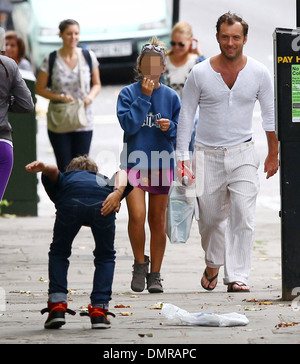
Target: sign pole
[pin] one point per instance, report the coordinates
(176, 4)
(287, 86)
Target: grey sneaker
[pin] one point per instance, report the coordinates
(154, 283)
(139, 274)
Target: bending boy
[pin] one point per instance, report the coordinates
(82, 197)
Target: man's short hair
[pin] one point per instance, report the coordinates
(230, 19)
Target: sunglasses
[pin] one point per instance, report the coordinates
(173, 44)
(150, 47)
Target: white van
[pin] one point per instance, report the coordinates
(114, 29)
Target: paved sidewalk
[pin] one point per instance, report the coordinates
(23, 280)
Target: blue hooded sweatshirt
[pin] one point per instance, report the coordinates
(145, 145)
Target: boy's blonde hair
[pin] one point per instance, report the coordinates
(83, 163)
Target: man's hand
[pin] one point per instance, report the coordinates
(271, 162)
(180, 166)
(271, 165)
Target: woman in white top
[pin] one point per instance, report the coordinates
(184, 54)
(65, 87)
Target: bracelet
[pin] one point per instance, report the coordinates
(117, 189)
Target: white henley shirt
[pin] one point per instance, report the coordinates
(225, 115)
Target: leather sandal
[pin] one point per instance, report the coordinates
(231, 288)
(209, 280)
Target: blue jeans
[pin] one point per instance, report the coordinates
(67, 146)
(70, 216)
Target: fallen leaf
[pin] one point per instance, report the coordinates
(84, 308)
(157, 306)
(121, 306)
(21, 291)
(249, 308)
(126, 313)
(286, 324)
(72, 291)
(148, 335)
(251, 300)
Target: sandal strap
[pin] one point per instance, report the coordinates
(239, 284)
(210, 279)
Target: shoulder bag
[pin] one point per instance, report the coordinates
(69, 116)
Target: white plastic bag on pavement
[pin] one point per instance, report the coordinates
(177, 316)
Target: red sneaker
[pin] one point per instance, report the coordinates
(98, 317)
(56, 317)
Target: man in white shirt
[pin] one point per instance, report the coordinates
(225, 163)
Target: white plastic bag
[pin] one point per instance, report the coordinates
(177, 316)
(180, 212)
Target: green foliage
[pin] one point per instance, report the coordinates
(3, 203)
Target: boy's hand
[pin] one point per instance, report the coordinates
(35, 167)
(51, 172)
(111, 203)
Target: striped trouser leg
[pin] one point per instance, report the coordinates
(227, 209)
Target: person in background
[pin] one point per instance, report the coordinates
(15, 49)
(184, 54)
(65, 87)
(82, 197)
(148, 111)
(15, 97)
(6, 8)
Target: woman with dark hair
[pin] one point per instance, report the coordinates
(15, 49)
(66, 87)
(15, 97)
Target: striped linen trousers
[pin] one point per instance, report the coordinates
(228, 185)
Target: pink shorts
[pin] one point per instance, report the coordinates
(152, 181)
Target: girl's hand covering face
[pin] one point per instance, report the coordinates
(147, 86)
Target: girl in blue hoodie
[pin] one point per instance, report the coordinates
(148, 113)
